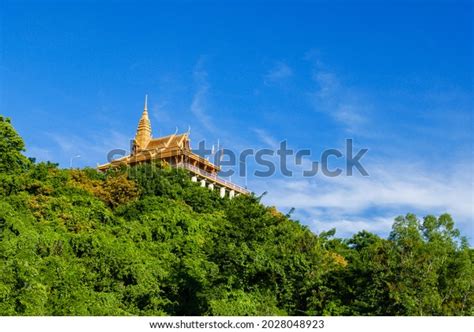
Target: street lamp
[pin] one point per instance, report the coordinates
(72, 158)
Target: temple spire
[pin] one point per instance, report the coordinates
(143, 136)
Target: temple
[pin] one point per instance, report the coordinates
(174, 150)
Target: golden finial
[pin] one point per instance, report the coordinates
(143, 136)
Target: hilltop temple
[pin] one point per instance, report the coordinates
(175, 151)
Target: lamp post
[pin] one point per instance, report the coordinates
(72, 158)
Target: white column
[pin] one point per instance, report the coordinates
(222, 192)
(231, 194)
(203, 183)
(211, 186)
(194, 179)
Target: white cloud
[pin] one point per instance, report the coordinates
(350, 226)
(91, 148)
(266, 138)
(160, 114)
(354, 203)
(40, 154)
(344, 104)
(199, 105)
(281, 71)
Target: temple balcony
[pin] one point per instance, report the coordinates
(213, 178)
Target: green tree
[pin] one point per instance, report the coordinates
(11, 148)
(146, 240)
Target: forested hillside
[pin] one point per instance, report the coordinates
(148, 241)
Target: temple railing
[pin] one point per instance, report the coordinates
(213, 177)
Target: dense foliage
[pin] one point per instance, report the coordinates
(148, 241)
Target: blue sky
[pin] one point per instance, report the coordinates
(396, 77)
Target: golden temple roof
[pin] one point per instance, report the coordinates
(171, 141)
(146, 148)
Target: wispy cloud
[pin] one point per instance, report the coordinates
(278, 73)
(344, 104)
(354, 203)
(346, 227)
(161, 115)
(41, 154)
(92, 148)
(199, 104)
(266, 138)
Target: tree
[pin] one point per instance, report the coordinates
(146, 240)
(11, 148)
